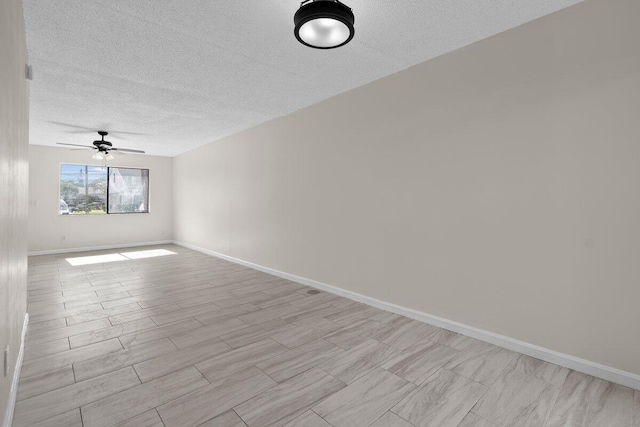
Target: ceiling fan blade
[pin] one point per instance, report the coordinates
(84, 129)
(119, 153)
(115, 133)
(75, 145)
(103, 126)
(126, 150)
(80, 149)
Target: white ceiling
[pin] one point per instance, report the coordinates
(183, 73)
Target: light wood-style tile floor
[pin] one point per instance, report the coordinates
(191, 340)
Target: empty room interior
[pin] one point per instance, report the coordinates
(320, 213)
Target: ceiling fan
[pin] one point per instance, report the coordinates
(104, 148)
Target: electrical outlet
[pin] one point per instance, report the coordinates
(6, 361)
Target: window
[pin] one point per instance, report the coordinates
(83, 189)
(91, 190)
(128, 190)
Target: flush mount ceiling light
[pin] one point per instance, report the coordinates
(324, 24)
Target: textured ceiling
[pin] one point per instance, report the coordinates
(179, 74)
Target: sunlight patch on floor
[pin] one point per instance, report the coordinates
(124, 256)
(96, 259)
(147, 254)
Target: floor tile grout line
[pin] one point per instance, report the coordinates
(159, 417)
(201, 373)
(322, 418)
(136, 372)
(243, 422)
(272, 379)
(180, 396)
(486, 419)
(391, 410)
(239, 416)
(487, 387)
(460, 375)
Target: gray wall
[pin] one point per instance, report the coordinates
(14, 175)
(497, 186)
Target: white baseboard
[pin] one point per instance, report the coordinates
(607, 373)
(13, 394)
(99, 248)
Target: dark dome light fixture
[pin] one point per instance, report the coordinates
(324, 24)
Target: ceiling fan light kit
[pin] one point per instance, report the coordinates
(324, 24)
